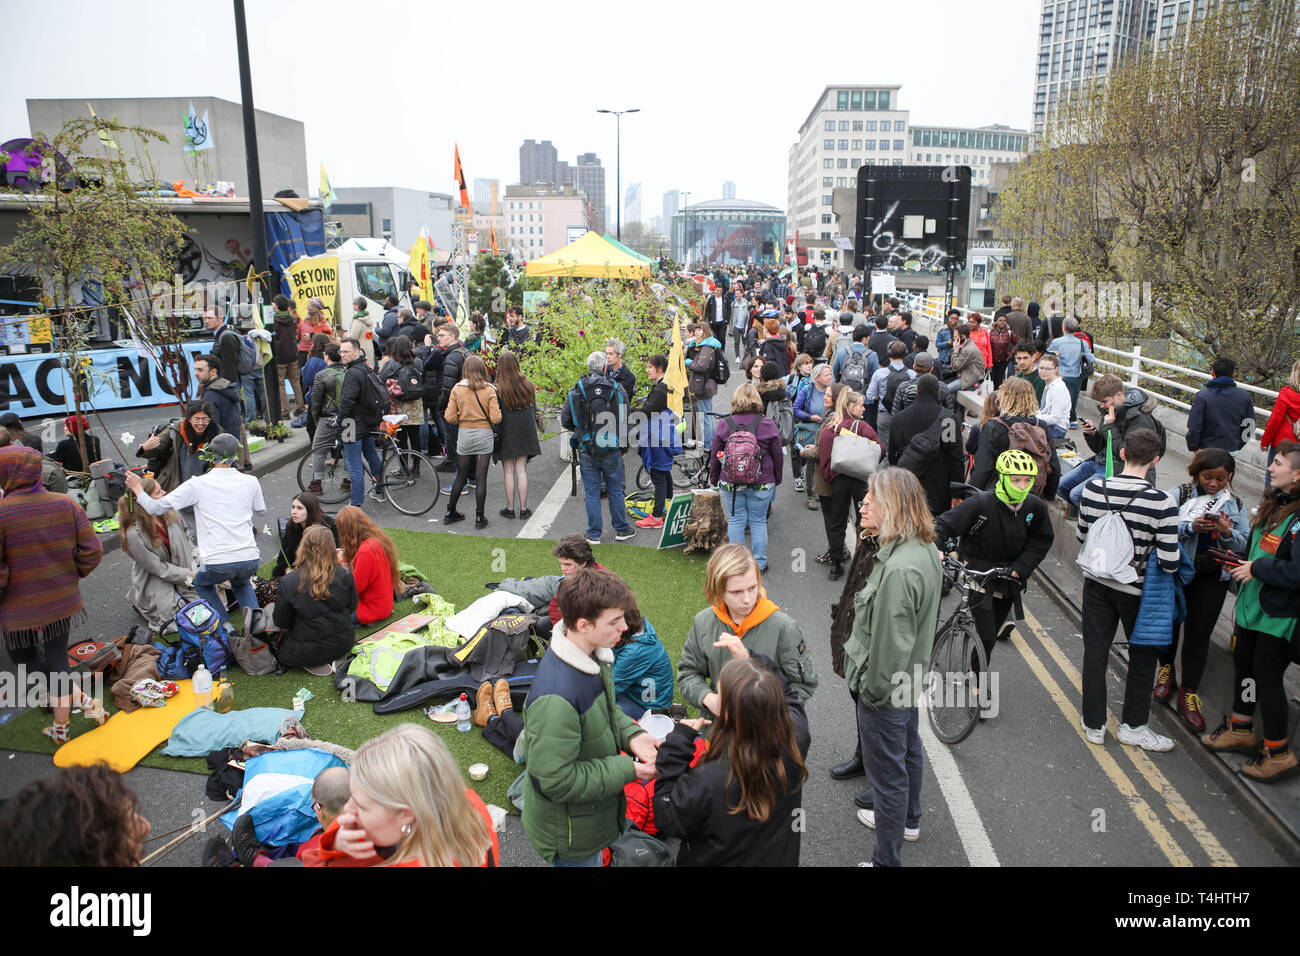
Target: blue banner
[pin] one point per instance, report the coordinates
(289, 237)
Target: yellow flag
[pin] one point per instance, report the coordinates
(326, 193)
(420, 267)
(103, 134)
(675, 377)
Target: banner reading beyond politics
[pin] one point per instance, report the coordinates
(315, 276)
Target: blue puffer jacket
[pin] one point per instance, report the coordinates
(660, 441)
(1163, 605)
(643, 674)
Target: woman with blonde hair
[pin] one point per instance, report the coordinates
(162, 559)
(519, 443)
(747, 487)
(474, 406)
(1017, 405)
(845, 490)
(1284, 422)
(739, 610)
(409, 807)
(893, 630)
(314, 606)
(369, 554)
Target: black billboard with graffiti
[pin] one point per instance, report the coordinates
(912, 218)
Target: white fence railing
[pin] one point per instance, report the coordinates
(1134, 367)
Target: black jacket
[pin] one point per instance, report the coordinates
(695, 803)
(1279, 575)
(1018, 540)
(1136, 412)
(711, 315)
(316, 632)
(625, 378)
(289, 541)
(414, 331)
(1222, 415)
(386, 329)
(518, 338)
(350, 406)
(995, 438)
(227, 348)
(226, 404)
(951, 463)
(432, 357)
(284, 340)
(68, 454)
(656, 400)
(879, 343)
(453, 367)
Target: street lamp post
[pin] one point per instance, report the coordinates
(618, 168)
(686, 228)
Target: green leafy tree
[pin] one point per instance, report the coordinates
(89, 222)
(1181, 171)
(490, 288)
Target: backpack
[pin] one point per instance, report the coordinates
(721, 369)
(410, 380)
(373, 401)
(854, 373)
(247, 364)
(1032, 440)
(785, 420)
(741, 456)
(1107, 552)
(923, 450)
(592, 433)
(698, 376)
(814, 341)
(201, 638)
(895, 378)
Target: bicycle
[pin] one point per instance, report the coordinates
(410, 485)
(690, 468)
(952, 685)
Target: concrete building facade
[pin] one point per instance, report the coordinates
(378, 210)
(632, 203)
(589, 178)
(281, 141)
(979, 148)
(539, 219)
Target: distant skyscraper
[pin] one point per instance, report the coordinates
(632, 203)
(1085, 42)
(672, 203)
(483, 195)
(728, 190)
(537, 162)
(589, 177)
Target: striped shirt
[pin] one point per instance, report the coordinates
(1151, 517)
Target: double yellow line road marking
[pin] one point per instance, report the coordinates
(1177, 807)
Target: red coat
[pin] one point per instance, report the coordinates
(826, 438)
(554, 609)
(324, 854)
(980, 337)
(374, 578)
(1286, 411)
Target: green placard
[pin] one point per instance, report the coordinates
(679, 510)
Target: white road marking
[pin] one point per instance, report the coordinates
(965, 817)
(544, 515)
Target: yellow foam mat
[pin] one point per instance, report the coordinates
(125, 739)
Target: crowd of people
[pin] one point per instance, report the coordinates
(868, 417)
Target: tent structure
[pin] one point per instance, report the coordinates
(590, 257)
(652, 263)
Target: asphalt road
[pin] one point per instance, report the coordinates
(1024, 789)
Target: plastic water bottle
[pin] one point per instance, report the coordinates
(202, 684)
(462, 714)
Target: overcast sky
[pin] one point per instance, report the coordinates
(385, 88)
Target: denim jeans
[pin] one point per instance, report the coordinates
(747, 505)
(209, 576)
(1072, 484)
(605, 470)
(1072, 384)
(352, 452)
(891, 751)
(597, 860)
(321, 443)
(1054, 432)
(253, 388)
(703, 422)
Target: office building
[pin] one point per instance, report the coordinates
(672, 203)
(537, 162)
(728, 190)
(632, 203)
(393, 213)
(541, 219)
(486, 194)
(979, 148)
(589, 179)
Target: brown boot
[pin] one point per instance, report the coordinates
(1228, 739)
(1271, 765)
(485, 708)
(501, 696)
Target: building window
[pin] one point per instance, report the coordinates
(843, 144)
(925, 138)
(916, 137)
(857, 126)
(943, 138)
(828, 144)
(841, 181)
(826, 219)
(843, 163)
(826, 181)
(871, 126)
(828, 163)
(898, 162)
(829, 126)
(855, 100)
(826, 235)
(899, 126)
(842, 100)
(826, 199)
(962, 138)
(844, 126)
(898, 145)
(855, 162)
(882, 100)
(884, 145)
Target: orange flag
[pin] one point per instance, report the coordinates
(460, 180)
(492, 232)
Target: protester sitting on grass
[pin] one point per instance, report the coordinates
(643, 671)
(369, 553)
(736, 806)
(739, 606)
(409, 807)
(75, 817)
(330, 792)
(305, 512)
(573, 552)
(161, 553)
(315, 607)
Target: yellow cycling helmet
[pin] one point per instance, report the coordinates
(1016, 462)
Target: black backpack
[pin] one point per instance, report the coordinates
(814, 341)
(411, 379)
(895, 378)
(922, 451)
(854, 372)
(373, 401)
(595, 406)
(721, 368)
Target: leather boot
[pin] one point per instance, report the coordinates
(1271, 765)
(486, 707)
(501, 696)
(850, 768)
(837, 568)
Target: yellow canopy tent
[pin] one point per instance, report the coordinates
(590, 257)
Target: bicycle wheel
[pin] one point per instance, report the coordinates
(410, 482)
(687, 470)
(643, 481)
(952, 685)
(332, 488)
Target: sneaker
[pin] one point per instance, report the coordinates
(689, 443)
(824, 558)
(1189, 708)
(1165, 683)
(451, 517)
(1076, 424)
(375, 493)
(525, 514)
(593, 541)
(624, 535)
(315, 488)
(1097, 736)
(507, 512)
(1144, 737)
(650, 522)
(868, 819)
(1269, 766)
(218, 851)
(244, 836)
(1229, 739)
(320, 670)
(471, 483)
(798, 484)
(813, 504)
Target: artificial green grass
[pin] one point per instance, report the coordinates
(667, 585)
